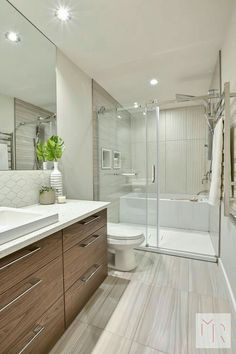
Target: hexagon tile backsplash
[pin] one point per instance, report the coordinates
(21, 188)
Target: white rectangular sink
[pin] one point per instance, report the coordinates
(16, 222)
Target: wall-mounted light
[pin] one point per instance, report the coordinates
(63, 14)
(12, 37)
(153, 82)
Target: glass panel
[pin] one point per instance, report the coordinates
(184, 211)
(122, 136)
(152, 119)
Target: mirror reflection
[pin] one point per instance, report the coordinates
(27, 90)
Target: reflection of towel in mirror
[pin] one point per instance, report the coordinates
(215, 189)
(3, 157)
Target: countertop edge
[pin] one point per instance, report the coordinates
(26, 240)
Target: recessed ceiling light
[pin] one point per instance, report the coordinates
(12, 37)
(135, 104)
(119, 117)
(153, 82)
(63, 14)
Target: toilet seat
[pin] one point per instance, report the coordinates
(120, 232)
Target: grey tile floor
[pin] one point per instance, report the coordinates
(150, 310)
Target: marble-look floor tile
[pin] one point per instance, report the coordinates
(78, 339)
(137, 348)
(172, 272)
(146, 268)
(126, 317)
(110, 343)
(207, 304)
(99, 308)
(164, 323)
(205, 278)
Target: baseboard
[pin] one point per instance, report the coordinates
(230, 290)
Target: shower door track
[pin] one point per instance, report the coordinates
(176, 253)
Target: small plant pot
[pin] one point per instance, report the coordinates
(47, 197)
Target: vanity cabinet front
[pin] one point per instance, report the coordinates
(45, 285)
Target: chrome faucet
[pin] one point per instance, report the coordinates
(206, 177)
(201, 192)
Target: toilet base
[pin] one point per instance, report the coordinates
(124, 260)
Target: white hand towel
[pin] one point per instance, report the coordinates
(215, 188)
(3, 157)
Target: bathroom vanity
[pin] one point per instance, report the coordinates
(46, 277)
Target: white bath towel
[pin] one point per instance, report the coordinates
(3, 157)
(215, 188)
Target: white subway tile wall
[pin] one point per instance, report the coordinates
(21, 188)
(182, 150)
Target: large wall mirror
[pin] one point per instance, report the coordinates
(27, 90)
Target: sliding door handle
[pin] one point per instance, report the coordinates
(153, 173)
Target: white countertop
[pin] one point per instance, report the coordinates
(69, 213)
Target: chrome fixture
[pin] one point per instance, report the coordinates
(203, 192)
(206, 177)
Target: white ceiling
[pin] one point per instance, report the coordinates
(122, 44)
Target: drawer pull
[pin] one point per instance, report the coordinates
(33, 284)
(94, 218)
(20, 258)
(85, 278)
(37, 331)
(91, 239)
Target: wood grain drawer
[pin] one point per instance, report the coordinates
(43, 334)
(25, 302)
(83, 255)
(77, 296)
(78, 231)
(21, 264)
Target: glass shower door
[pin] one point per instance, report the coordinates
(130, 184)
(152, 176)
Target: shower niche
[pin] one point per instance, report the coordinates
(106, 159)
(116, 160)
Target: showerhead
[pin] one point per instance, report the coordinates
(102, 110)
(46, 119)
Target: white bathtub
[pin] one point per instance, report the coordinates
(175, 211)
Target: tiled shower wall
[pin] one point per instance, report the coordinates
(183, 150)
(21, 188)
(112, 133)
(183, 154)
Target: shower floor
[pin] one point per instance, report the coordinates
(178, 239)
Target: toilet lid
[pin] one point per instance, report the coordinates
(122, 232)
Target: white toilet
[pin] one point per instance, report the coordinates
(121, 243)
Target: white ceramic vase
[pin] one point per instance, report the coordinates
(56, 179)
(45, 165)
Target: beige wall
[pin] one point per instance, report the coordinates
(6, 114)
(228, 225)
(74, 119)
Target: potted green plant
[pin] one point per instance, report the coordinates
(41, 150)
(47, 195)
(55, 148)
